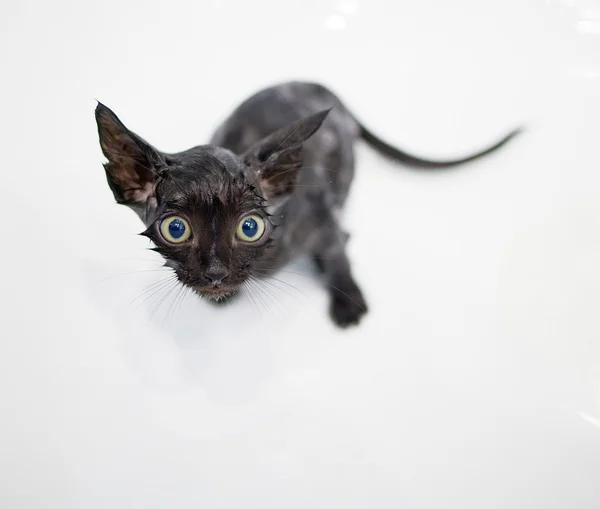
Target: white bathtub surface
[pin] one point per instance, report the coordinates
(473, 383)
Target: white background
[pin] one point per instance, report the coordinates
(473, 383)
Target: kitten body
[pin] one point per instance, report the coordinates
(285, 158)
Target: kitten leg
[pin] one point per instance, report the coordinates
(347, 304)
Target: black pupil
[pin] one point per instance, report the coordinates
(176, 228)
(250, 227)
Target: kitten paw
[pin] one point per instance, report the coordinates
(347, 308)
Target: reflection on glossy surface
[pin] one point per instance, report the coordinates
(475, 380)
(589, 26)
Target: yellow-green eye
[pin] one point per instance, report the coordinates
(175, 229)
(251, 228)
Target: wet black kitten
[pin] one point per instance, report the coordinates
(268, 187)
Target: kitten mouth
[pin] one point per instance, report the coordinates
(216, 292)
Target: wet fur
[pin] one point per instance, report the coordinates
(287, 152)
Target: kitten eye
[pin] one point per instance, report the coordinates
(251, 228)
(175, 229)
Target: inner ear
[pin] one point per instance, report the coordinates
(277, 158)
(132, 163)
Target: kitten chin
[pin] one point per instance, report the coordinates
(217, 295)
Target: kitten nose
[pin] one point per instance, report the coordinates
(216, 275)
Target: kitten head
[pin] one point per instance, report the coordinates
(205, 209)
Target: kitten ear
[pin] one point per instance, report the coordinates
(278, 157)
(132, 163)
